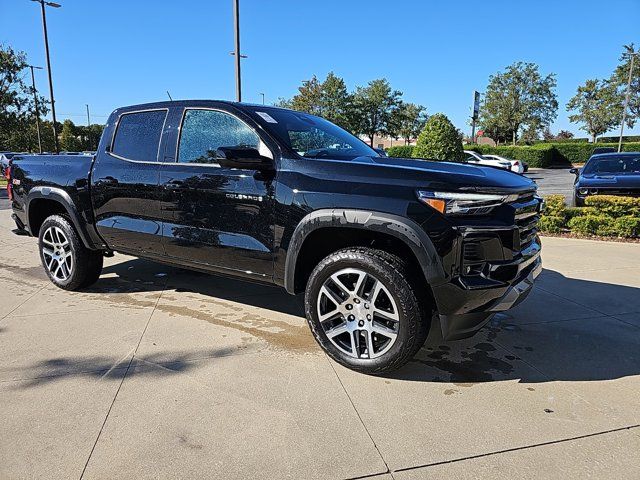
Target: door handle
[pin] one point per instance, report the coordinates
(107, 181)
(174, 185)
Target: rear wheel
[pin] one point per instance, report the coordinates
(68, 263)
(364, 310)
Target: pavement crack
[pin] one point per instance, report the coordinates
(516, 449)
(363, 426)
(133, 357)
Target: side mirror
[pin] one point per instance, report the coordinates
(245, 158)
(575, 171)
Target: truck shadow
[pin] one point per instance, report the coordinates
(547, 338)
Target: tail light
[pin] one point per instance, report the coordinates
(7, 174)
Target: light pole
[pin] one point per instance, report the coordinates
(236, 52)
(626, 98)
(262, 98)
(88, 117)
(46, 47)
(35, 102)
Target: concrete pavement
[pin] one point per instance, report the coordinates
(156, 372)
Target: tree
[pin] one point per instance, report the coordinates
(408, 120)
(619, 80)
(17, 110)
(439, 140)
(335, 100)
(328, 99)
(564, 135)
(309, 97)
(596, 107)
(519, 97)
(373, 109)
(69, 139)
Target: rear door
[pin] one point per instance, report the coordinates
(214, 216)
(124, 188)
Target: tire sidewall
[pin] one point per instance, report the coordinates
(64, 225)
(403, 295)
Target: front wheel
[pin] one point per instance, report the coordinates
(364, 310)
(68, 263)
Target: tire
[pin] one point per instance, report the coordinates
(347, 313)
(67, 262)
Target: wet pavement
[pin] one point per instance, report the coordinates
(157, 372)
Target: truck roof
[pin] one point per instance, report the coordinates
(194, 103)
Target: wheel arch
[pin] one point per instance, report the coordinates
(43, 202)
(313, 238)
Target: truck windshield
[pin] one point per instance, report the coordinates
(613, 164)
(311, 136)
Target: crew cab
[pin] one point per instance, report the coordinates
(387, 251)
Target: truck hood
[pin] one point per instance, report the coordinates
(627, 180)
(449, 175)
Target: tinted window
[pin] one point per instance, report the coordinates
(204, 131)
(138, 135)
(611, 164)
(310, 136)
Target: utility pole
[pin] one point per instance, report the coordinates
(88, 117)
(46, 47)
(626, 99)
(236, 20)
(35, 102)
(474, 116)
(262, 98)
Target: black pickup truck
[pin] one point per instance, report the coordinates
(387, 251)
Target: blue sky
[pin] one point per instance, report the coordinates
(114, 53)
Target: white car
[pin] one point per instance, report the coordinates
(517, 166)
(477, 159)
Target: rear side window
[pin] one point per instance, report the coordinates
(204, 131)
(138, 135)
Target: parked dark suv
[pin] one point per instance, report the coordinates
(385, 250)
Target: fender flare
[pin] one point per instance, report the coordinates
(402, 228)
(64, 199)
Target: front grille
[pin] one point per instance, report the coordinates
(625, 192)
(526, 217)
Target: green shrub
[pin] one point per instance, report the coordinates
(590, 224)
(400, 151)
(580, 211)
(555, 206)
(550, 224)
(614, 206)
(604, 215)
(545, 154)
(439, 140)
(628, 226)
(579, 152)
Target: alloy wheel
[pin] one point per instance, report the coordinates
(358, 313)
(57, 253)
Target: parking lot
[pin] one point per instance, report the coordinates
(556, 181)
(157, 372)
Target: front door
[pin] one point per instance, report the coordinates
(217, 217)
(124, 184)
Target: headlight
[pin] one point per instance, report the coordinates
(463, 203)
(583, 191)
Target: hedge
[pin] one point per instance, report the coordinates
(543, 155)
(580, 152)
(400, 151)
(604, 215)
(540, 155)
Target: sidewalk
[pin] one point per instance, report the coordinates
(162, 373)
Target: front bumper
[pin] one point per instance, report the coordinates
(468, 320)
